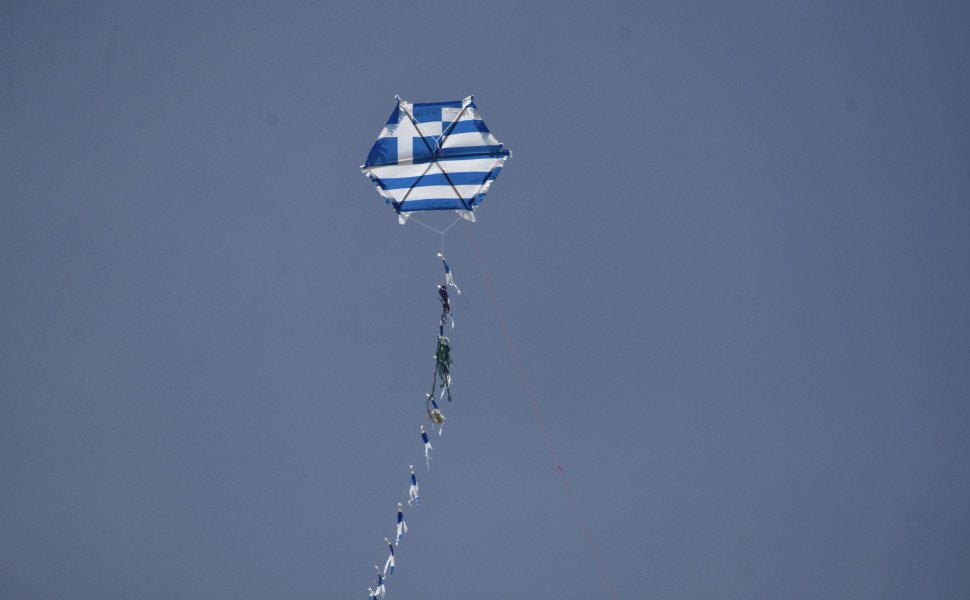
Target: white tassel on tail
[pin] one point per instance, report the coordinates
(389, 565)
(379, 590)
(413, 492)
(427, 447)
(449, 278)
(402, 527)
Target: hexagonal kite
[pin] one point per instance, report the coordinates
(435, 156)
(430, 157)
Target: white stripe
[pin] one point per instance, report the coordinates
(430, 128)
(448, 114)
(390, 130)
(436, 191)
(405, 141)
(475, 138)
(476, 165)
(397, 171)
(470, 165)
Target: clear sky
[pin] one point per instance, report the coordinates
(731, 252)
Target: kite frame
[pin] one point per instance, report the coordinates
(434, 155)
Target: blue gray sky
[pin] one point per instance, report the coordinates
(730, 251)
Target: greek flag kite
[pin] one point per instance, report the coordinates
(435, 156)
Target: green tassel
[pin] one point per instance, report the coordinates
(442, 356)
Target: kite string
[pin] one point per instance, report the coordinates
(453, 223)
(535, 408)
(423, 224)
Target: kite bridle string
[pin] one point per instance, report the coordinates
(441, 232)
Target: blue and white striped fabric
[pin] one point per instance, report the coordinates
(435, 156)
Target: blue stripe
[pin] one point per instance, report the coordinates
(384, 152)
(469, 178)
(422, 149)
(469, 126)
(473, 151)
(433, 204)
(424, 113)
(421, 154)
(395, 115)
(448, 104)
(430, 112)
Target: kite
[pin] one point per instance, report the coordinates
(432, 156)
(435, 156)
